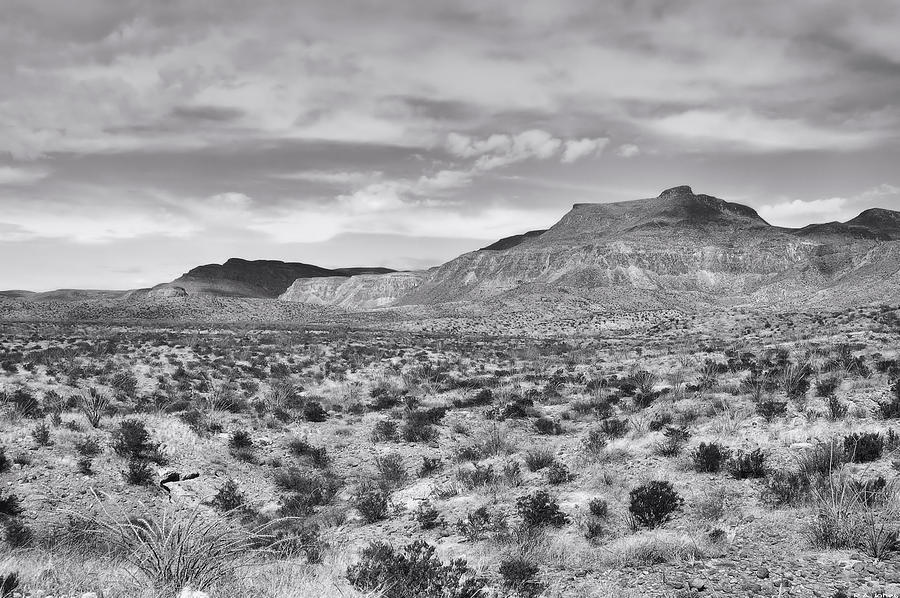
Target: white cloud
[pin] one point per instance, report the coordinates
(12, 175)
(580, 148)
(628, 150)
(798, 213)
(750, 131)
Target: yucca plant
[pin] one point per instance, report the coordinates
(93, 405)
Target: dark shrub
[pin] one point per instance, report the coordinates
(613, 427)
(869, 492)
(419, 425)
(89, 446)
(429, 466)
(674, 438)
(427, 516)
(769, 410)
(837, 409)
(474, 524)
(240, 439)
(132, 441)
(654, 503)
(372, 501)
(26, 404)
(748, 465)
(891, 409)
(313, 412)
(384, 430)
(8, 584)
(708, 458)
(413, 572)
(391, 470)
(786, 488)
(519, 575)
(228, 497)
(5, 463)
(821, 460)
(547, 426)
(558, 474)
(539, 509)
(306, 490)
(138, 472)
(317, 454)
(41, 434)
(538, 459)
(16, 533)
(9, 506)
(863, 448)
(826, 387)
(599, 508)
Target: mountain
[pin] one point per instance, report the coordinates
(245, 278)
(357, 292)
(679, 249)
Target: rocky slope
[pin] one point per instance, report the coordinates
(367, 291)
(680, 249)
(244, 278)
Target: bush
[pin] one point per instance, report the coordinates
(613, 427)
(413, 572)
(771, 409)
(138, 472)
(540, 509)
(654, 503)
(674, 438)
(558, 474)
(240, 440)
(786, 488)
(8, 584)
(9, 506)
(306, 490)
(819, 462)
(837, 409)
(384, 430)
(17, 534)
(314, 412)
(93, 406)
(5, 463)
(228, 497)
(547, 426)
(826, 387)
(427, 516)
(594, 444)
(429, 466)
(519, 575)
(708, 458)
(748, 465)
(317, 454)
(391, 470)
(538, 459)
(89, 446)
(41, 434)
(598, 508)
(474, 524)
(863, 448)
(372, 501)
(132, 441)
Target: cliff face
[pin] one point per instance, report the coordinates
(683, 246)
(361, 292)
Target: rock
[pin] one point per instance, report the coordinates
(89, 595)
(762, 573)
(697, 584)
(189, 593)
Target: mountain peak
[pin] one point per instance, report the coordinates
(679, 191)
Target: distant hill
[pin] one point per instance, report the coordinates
(246, 278)
(512, 241)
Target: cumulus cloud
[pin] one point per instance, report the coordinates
(628, 150)
(500, 150)
(580, 148)
(798, 213)
(12, 175)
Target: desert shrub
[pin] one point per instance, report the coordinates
(748, 465)
(654, 503)
(240, 439)
(785, 488)
(419, 426)
(863, 448)
(674, 438)
(891, 409)
(476, 476)
(93, 405)
(85, 465)
(547, 426)
(391, 471)
(314, 412)
(132, 441)
(644, 381)
(709, 458)
(124, 382)
(594, 443)
(483, 397)
(41, 434)
(317, 454)
(826, 387)
(837, 409)
(228, 497)
(519, 574)
(429, 466)
(795, 380)
(427, 516)
(598, 508)
(5, 463)
(384, 430)
(518, 408)
(26, 404)
(870, 491)
(306, 490)
(138, 472)
(9, 506)
(16, 533)
(537, 459)
(8, 584)
(614, 427)
(771, 409)
(88, 446)
(475, 524)
(557, 474)
(540, 509)
(372, 501)
(413, 572)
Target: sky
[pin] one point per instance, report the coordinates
(140, 139)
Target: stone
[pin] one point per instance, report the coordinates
(697, 584)
(762, 573)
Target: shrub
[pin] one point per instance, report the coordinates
(418, 426)
(474, 524)
(93, 405)
(391, 470)
(8, 584)
(673, 439)
(372, 501)
(25, 404)
(539, 509)
(708, 458)
(138, 472)
(748, 465)
(771, 409)
(413, 572)
(314, 412)
(837, 409)
(240, 439)
(41, 434)
(9, 506)
(538, 459)
(599, 508)
(427, 516)
(863, 448)
(547, 426)
(613, 427)
(228, 497)
(132, 440)
(785, 488)
(821, 460)
(317, 454)
(89, 446)
(429, 466)
(384, 430)
(594, 444)
(654, 503)
(519, 575)
(558, 474)
(5, 463)
(16, 533)
(306, 490)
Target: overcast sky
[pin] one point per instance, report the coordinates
(139, 139)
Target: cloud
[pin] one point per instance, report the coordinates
(580, 148)
(11, 175)
(798, 213)
(628, 150)
(750, 131)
